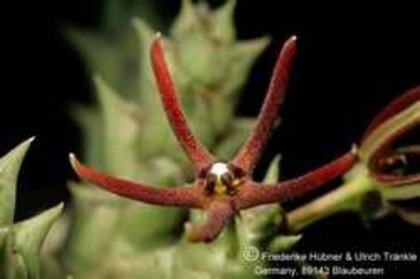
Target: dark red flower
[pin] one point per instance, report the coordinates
(220, 188)
(386, 178)
(377, 149)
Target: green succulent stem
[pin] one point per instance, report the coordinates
(347, 197)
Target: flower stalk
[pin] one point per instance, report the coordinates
(346, 197)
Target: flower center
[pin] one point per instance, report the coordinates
(221, 180)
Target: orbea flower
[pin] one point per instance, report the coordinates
(397, 119)
(390, 166)
(381, 179)
(221, 189)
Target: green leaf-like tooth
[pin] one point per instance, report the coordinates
(284, 242)
(224, 28)
(113, 57)
(29, 236)
(273, 171)
(120, 130)
(115, 14)
(9, 170)
(242, 56)
(144, 36)
(91, 123)
(186, 19)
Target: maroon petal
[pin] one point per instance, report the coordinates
(253, 147)
(218, 215)
(382, 152)
(393, 108)
(183, 196)
(396, 179)
(198, 155)
(253, 194)
(379, 143)
(403, 155)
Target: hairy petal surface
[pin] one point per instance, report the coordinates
(253, 194)
(219, 213)
(185, 196)
(251, 151)
(196, 152)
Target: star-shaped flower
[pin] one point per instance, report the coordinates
(221, 189)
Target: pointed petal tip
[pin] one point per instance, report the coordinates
(156, 51)
(59, 207)
(291, 41)
(26, 144)
(157, 39)
(72, 157)
(73, 161)
(354, 149)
